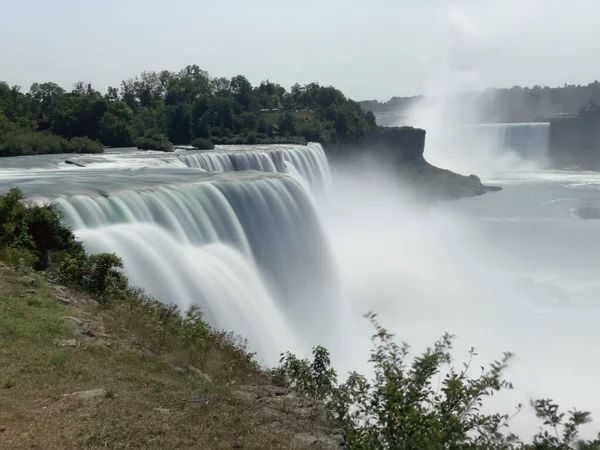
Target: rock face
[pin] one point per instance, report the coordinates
(575, 141)
(403, 143)
(406, 143)
(403, 147)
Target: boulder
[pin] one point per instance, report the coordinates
(588, 212)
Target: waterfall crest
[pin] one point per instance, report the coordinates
(306, 161)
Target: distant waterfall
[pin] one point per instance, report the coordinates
(529, 140)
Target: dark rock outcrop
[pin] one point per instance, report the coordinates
(588, 212)
(403, 147)
(575, 141)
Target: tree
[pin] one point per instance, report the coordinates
(220, 86)
(179, 124)
(112, 94)
(44, 95)
(287, 124)
(178, 106)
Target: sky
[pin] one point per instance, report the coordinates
(372, 49)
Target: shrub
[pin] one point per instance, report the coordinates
(203, 144)
(37, 229)
(412, 406)
(154, 141)
(19, 258)
(28, 142)
(83, 145)
(97, 274)
(31, 234)
(194, 330)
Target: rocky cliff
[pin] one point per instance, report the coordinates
(575, 142)
(403, 147)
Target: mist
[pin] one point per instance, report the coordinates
(430, 269)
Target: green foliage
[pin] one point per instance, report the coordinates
(20, 142)
(19, 258)
(156, 109)
(83, 145)
(97, 274)
(27, 142)
(420, 404)
(38, 229)
(154, 141)
(203, 144)
(316, 378)
(32, 235)
(194, 330)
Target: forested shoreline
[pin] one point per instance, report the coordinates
(157, 110)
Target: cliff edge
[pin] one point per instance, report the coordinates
(404, 147)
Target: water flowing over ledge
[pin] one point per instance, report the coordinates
(248, 247)
(308, 162)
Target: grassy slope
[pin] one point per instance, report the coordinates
(148, 393)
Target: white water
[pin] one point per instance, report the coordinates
(186, 243)
(514, 270)
(218, 278)
(307, 163)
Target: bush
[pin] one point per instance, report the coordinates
(203, 144)
(411, 406)
(154, 141)
(19, 258)
(96, 274)
(29, 235)
(27, 142)
(38, 229)
(21, 142)
(83, 145)
(194, 330)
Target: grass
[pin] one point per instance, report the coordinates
(145, 397)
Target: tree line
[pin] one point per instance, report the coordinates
(516, 104)
(159, 109)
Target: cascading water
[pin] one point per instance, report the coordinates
(222, 281)
(308, 162)
(247, 247)
(529, 140)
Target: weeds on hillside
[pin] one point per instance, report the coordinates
(406, 405)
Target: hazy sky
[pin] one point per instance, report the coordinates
(368, 49)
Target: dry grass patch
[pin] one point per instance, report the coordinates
(76, 375)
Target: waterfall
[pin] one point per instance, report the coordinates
(227, 286)
(307, 162)
(529, 140)
(186, 243)
(234, 230)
